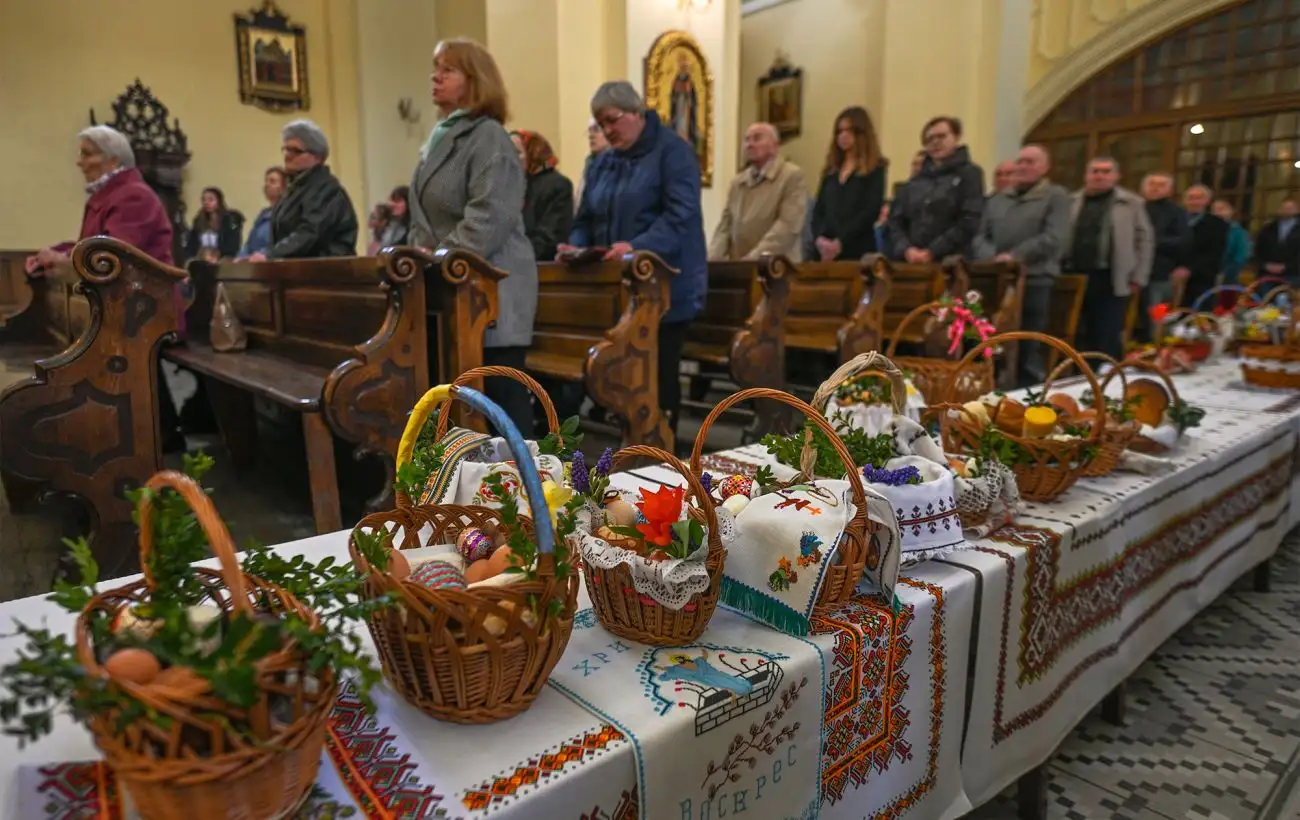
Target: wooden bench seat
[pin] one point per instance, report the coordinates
(740, 334)
(85, 424)
(913, 285)
(292, 384)
(1001, 286)
(15, 288)
(599, 325)
(835, 309)
(311, 322)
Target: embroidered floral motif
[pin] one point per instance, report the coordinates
(783, 577)
(810, 551)
(800, 505)
(509, 482)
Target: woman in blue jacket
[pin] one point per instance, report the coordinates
(644, 194)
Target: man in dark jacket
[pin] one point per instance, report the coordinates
(1202, 256)
(315, 217)
(1277, 248)
(1169, 221)
(644, 194)
(937, 213)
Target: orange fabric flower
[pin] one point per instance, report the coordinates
(661, 509)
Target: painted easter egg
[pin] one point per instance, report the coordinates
(438, 575)
(735, 503)
(474, 544)
(736, 485)
(133, 666)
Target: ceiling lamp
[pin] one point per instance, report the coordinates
(1197, 129)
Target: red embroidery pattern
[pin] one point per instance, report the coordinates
(536, 770)
(1056, 617)
(69, 791)
(382, 782)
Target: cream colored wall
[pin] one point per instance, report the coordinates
(395, 46)
(717, 29)
(842, 65)
(461, 18)
(58, 59)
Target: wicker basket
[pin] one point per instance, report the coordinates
(469, 655)
(870, 363)
(629, 614)
(857, 543)
(933, 377)
(203, 767)
(1054, 466)
(474, 374)
(1118, 434)
(1140, 443)
(1273, 365)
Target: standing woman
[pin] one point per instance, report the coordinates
(548, 203)
(468, 192)
(852, 190)
(217, 232)
(938, 212)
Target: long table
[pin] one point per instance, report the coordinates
(996, 653)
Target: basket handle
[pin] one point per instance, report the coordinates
(1102, 357)
(1201, 318)
(436, 396)
(1199, 304)
(698, 492)
(907, 320)
(863, 363)
(855, 482)
(464, 379)
(1254, 287)
(1042, 338)
(223, 546)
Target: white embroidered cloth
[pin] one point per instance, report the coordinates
(671, 583)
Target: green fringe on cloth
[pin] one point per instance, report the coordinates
(764, 608)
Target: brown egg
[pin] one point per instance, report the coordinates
(619, 513)
(500, 561)
(478, 571)
(398, 566)
(1065, 405)
(133, 665)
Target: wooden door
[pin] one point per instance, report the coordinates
(1140, 153)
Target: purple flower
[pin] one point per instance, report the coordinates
(580, 476)
(706, 481)
(891, 478)
(606, 462)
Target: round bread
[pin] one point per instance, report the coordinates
(1010, 417)
(1065, 405)
(1154, 401)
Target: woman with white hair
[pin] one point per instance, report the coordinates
(314, 217)
(121, 204)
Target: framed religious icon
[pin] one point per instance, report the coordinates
(679, 87)
(272, 54)
(780, 98)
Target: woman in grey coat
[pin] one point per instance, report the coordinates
(468, 192)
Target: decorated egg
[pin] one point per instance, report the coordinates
(736, 485)
(398, 566)
(133, 666)
(735, 503)
(474, 544)
(619, 513)
(500, 561)
(477, 571)
(438, 575)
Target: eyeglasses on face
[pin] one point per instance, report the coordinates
(937, 136)
(293, 150)
(606, 123)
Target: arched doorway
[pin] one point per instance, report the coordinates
(1215, 102)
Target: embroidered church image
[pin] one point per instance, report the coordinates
(719, 688)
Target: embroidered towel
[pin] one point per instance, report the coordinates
(928, 523)
(468, 460)
(728, 725)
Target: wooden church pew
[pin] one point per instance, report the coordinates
(1001, 286)
(598, 326)
(835, 309)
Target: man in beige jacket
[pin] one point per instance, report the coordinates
(765, 205)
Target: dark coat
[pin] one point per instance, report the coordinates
(1268, 248)
(1203, 253)
(314, 218)
(548, 212)
(1169, 221)
(848, 211)
(126, 208)
(230, 235)
(939, 209)
(649, 196)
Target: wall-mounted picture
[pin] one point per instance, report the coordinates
(780, 98)
(272, 55)
(679, 86)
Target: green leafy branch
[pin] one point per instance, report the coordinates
(426, 459)
(863, 447)
(565, 444)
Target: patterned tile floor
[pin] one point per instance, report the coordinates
(1213, 724)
